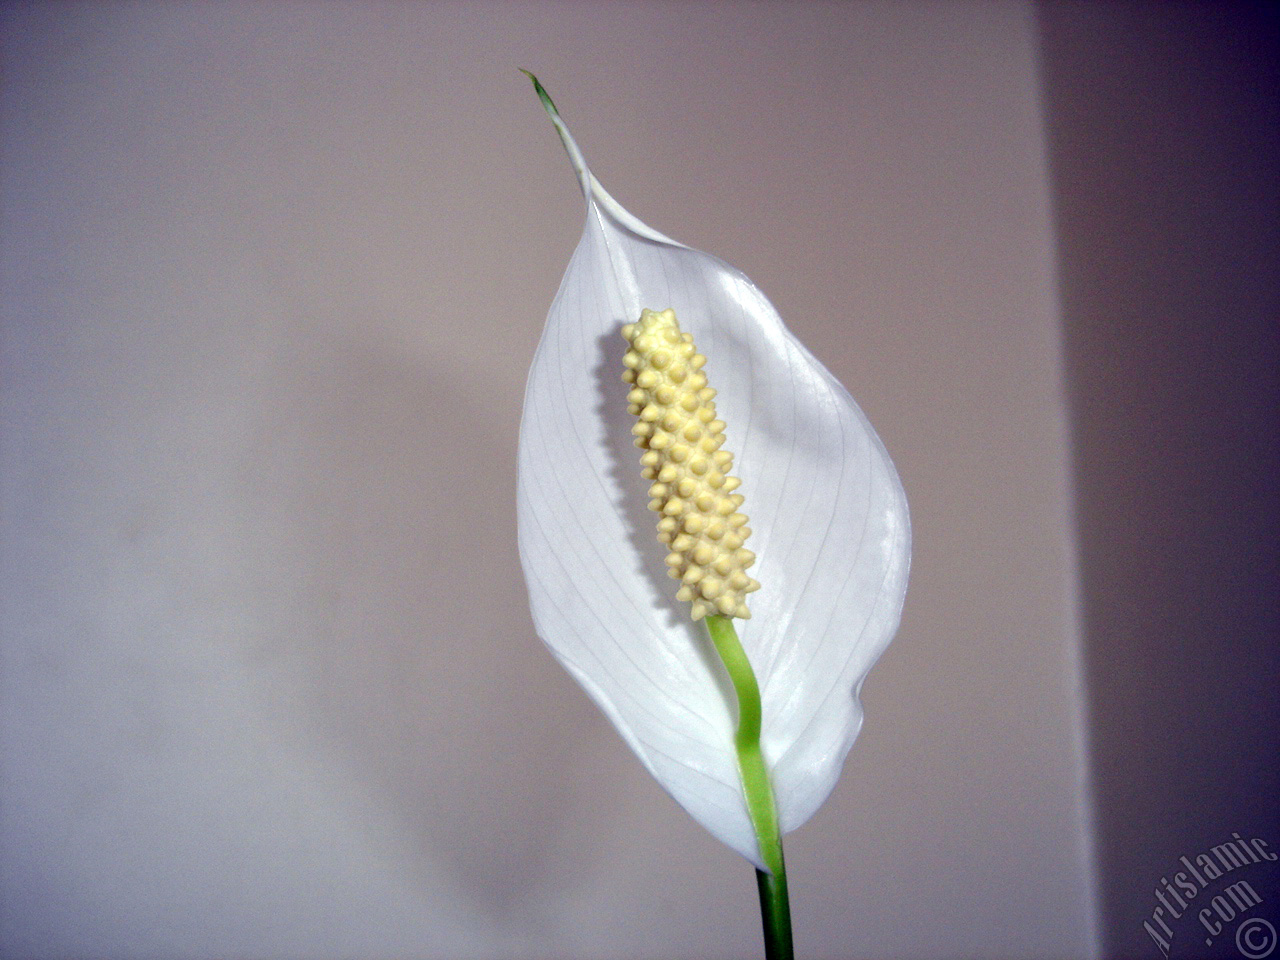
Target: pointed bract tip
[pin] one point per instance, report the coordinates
(547, 103)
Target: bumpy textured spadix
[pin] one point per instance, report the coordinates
(828, 514)
(684, 456)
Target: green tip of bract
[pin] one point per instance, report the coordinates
(547, 103)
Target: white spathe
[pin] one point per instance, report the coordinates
(827, 509)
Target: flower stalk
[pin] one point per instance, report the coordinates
(775, 907)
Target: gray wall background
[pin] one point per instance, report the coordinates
(272, 276)
(1164, 128)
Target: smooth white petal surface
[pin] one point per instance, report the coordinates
(828, 513)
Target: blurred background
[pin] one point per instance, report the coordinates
(272, 276)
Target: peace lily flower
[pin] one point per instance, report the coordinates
(829, 531)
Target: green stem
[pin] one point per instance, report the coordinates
(775, 908)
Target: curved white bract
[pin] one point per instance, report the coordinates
(829, 516)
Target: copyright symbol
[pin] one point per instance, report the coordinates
(1255, 938)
